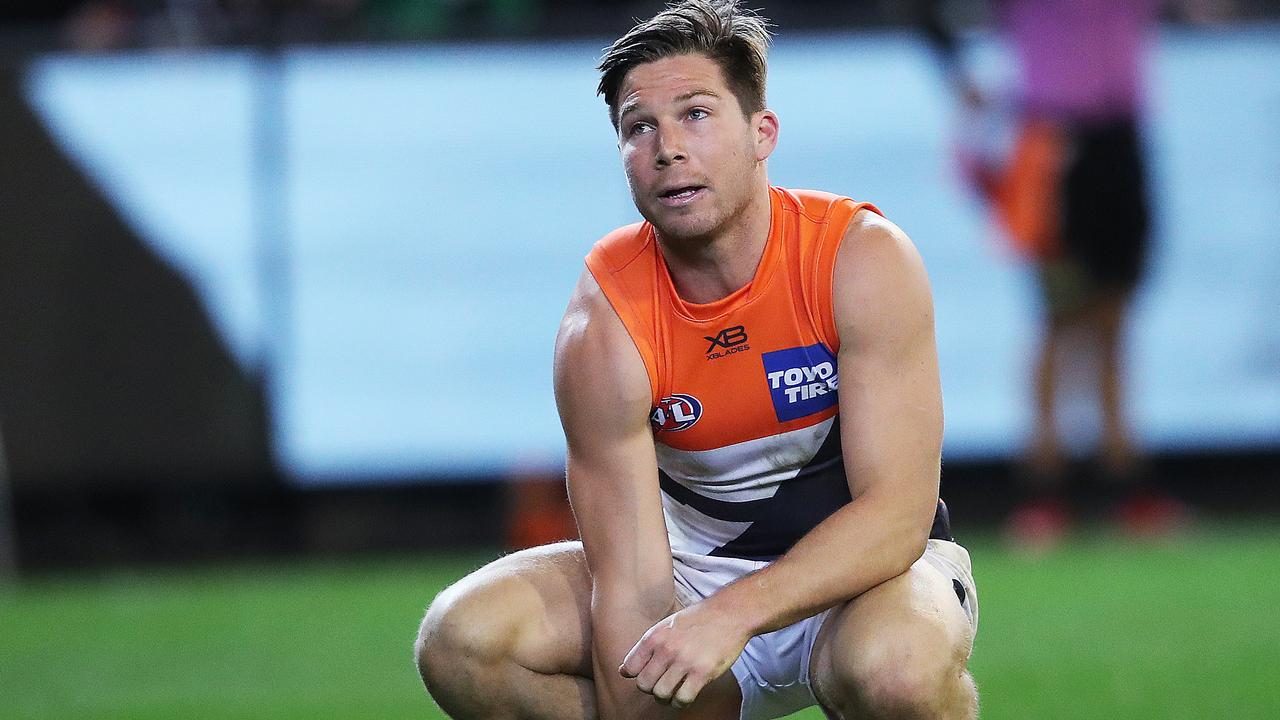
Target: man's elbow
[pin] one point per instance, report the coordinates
(911, 539)
(913, 548)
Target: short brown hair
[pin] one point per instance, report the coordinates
(736, 39)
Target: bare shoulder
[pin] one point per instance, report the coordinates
(873, 245)
(879, 280)
(599, 373)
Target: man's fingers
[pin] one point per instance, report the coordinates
(653, 671)
(665, 688)
(689, 689)
(662, 666)
(636, 660)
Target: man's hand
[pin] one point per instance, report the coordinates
(676, 658)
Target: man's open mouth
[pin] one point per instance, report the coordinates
(681, 195)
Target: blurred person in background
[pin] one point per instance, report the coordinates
(748, 384)
(1071, 193)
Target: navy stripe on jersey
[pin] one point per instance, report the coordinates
(778, 521)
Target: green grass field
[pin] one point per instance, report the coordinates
(1100, 629)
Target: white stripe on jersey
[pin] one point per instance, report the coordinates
(745, 471)
(692, 532)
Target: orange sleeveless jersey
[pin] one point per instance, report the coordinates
(744, 389)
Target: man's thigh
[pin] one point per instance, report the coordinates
(916, 620)
(533, 607)
(536, 603)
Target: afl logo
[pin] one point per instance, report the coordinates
(675, 413)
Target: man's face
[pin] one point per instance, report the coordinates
(692, 159)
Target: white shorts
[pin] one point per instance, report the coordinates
(773, 670)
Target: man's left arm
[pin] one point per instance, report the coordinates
(891, 436)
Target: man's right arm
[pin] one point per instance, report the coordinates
(603, 395)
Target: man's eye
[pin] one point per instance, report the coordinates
(639, 128)
(698, 114)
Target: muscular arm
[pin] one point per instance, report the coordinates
(891, 436)
(602, 392)
(891, 433)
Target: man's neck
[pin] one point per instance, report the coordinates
(706, 270)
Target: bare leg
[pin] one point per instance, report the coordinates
(898, 650)
(1041, 516)
(1143, 509)
(512, 641)
(1108, 323)
(1044, 459)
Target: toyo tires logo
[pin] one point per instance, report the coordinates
(675, 412)
(802, 380)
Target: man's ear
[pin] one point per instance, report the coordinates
(765, 124)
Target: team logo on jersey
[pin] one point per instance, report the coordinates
(728, 341)
(676, 412)
(802, 380)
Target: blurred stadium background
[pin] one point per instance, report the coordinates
(279, 282)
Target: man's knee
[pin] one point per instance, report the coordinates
(910, 671)
(462, 633)
(523, 615)
(913, 689)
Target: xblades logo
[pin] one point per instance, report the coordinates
(727, 338)
(732, 339)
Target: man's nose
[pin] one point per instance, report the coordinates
(670, 146)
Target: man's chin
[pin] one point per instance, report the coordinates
(679, 224)
(683, 230)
